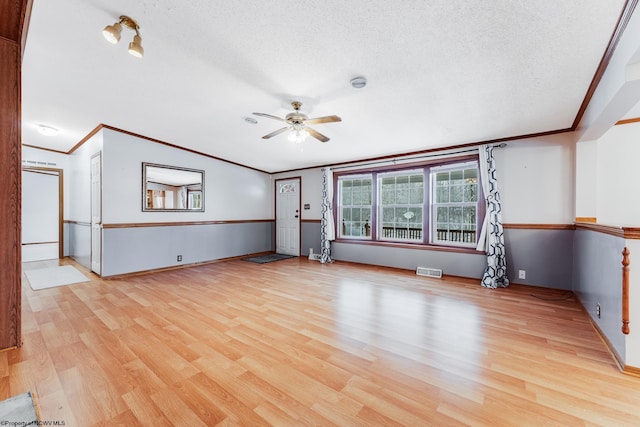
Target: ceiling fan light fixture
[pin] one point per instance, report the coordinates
(358, 82)
(298, 135)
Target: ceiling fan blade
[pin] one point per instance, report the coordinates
(317, 135)
(270, 116)
(276, 132)
(326, 119)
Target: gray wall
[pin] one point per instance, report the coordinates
(545, 255)
(127, 250)
(597, 278)
(79, 240)
(465, 265)
(310, 238)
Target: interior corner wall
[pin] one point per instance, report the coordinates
(79, 214)
(237, 220)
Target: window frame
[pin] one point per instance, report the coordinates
(426, 241)
(340, 221)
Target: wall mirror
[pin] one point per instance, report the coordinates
(172, 188)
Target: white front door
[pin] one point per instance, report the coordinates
(288, 217)
(96, 214)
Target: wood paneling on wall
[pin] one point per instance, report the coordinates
(14, 14)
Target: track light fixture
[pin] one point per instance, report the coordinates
(113, 32)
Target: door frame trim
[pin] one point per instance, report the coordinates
(97, 154)
(275, 213)
(60, 172)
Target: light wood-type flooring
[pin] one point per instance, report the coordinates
(295, 343)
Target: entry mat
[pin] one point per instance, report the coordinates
(263, 259)
(43, 278)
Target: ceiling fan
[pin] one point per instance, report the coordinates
(297, 122)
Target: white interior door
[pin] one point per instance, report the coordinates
(96, 214)
(40, 215)
(288, 217)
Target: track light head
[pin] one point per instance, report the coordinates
(135, 47)
(112, 33)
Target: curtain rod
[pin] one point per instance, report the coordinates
(423, 156)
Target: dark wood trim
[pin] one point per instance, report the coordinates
(623, 20)
(157, 141)
(180, 267)
(14, 20)
(625, 291)
(599, 228)
(632, 233)
(86, 138)
(312, 221)
(540, 226)
(421, 247)
(628, 121)
(588, 219)
(180, 224)
(45, 149)
(402, 156)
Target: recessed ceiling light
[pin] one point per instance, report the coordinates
(47, 130)
(358, 82)
(250, 120)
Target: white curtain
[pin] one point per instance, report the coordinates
(491, 238)
(327, 229)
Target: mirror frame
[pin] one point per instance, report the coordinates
(145, 191)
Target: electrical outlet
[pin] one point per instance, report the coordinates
(179, 258)
(522, 274)
(598, 310)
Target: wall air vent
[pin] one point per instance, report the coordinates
(429, 272)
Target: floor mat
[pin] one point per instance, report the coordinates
(43, 278)
(263, 259)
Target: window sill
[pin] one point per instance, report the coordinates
(419, 246)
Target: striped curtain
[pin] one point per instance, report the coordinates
(327, 229)
(492, 234)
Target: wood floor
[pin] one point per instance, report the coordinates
(296, 342)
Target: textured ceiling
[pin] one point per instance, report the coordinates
(440, 73)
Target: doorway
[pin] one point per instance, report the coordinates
(42, 214)
(288, 216)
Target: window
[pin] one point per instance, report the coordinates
(401, 205)
(434, 204)
(455, 204)
(355, 195)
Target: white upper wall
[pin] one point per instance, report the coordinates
(34, 157)
(536, 181)
(617, 193)
(231, 192)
